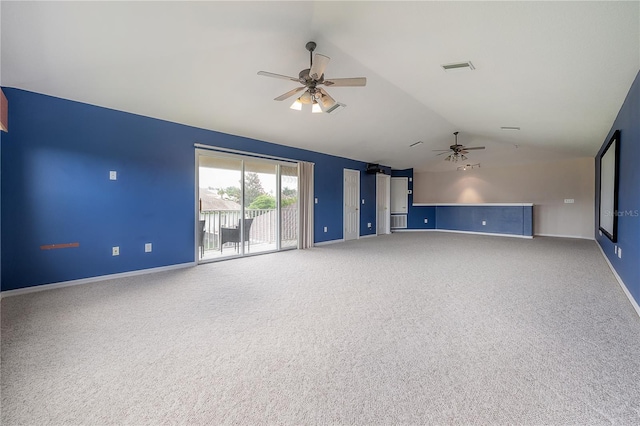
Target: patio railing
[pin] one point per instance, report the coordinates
(263, 228)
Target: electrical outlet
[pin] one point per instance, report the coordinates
(363, 201)
(426, 220)
(316, 201)
(325, 229)
(620, 252)
(115, 251)
(368, 224)
(484, 223)
(113, 175)
(569, 201)
(147, 248)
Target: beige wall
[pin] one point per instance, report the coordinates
(544, 184)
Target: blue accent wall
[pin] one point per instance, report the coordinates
(628, 122)
(55, 187)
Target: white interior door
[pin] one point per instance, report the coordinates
(383, 201)
(399, 195)
(351, 204)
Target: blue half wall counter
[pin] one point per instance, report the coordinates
(514, 219)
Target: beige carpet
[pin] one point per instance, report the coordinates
(414, 328)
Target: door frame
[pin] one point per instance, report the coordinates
(344, 203)
(386, 181)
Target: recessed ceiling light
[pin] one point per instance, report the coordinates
(510, 128)
(459, 66)
(416, 144)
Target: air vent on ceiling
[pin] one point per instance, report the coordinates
(459, 66)
(337, 107)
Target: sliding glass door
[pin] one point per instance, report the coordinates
(245, 205)
(219, 206)
(260, 199)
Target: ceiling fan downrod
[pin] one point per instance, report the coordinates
(311, 46)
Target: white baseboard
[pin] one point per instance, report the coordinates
(368, 236)
(565, 236)
(413, 230)
(465, 232)
(634, 303)
(324, 243)
(81, 281)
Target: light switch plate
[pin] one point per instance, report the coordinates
(113, 175)
(147, 248)
(569, 201)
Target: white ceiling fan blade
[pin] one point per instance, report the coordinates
(289, 93)
(319, 64)
(343, 82)
(284, 77)
(474, 147)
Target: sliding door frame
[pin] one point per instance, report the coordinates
(243, 158)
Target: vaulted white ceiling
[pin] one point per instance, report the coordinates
(558, 70)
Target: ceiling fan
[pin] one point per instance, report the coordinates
(313, 77)
(459, 151)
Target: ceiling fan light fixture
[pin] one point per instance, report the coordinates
(469, 167)
(297, 105)
(316, 107)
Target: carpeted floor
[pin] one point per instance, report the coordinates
(413, 328)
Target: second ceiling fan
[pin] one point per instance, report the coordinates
(311, 78)
(457, 151)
